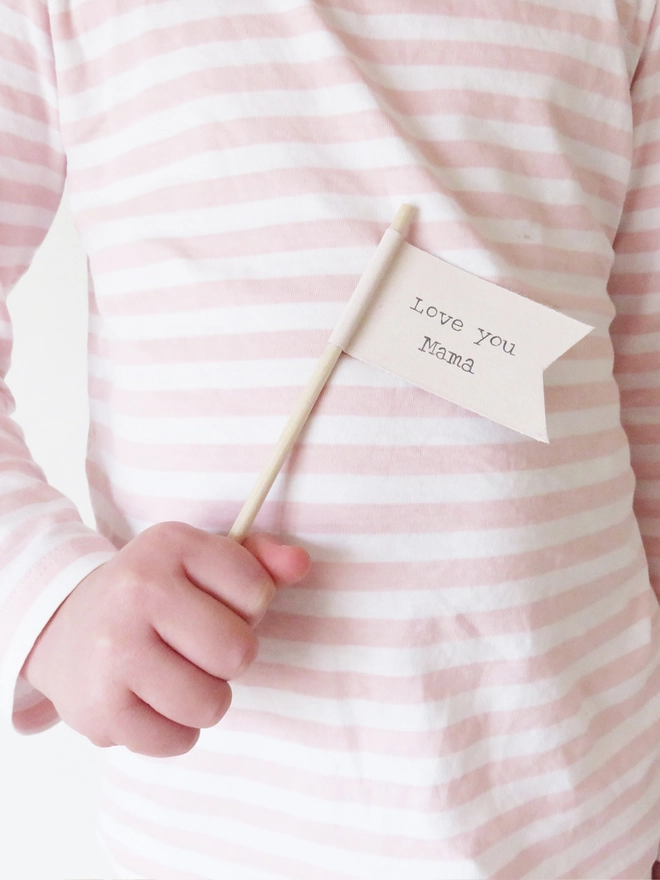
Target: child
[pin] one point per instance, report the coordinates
(465, 680)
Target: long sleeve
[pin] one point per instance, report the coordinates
(45, 548)
(635, 290)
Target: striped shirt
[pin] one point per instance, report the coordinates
(467, 684)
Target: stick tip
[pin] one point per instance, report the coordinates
(402, 220)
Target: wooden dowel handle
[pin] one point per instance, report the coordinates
(304, 405)
(324, 367)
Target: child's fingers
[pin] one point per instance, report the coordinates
(141, 729)
(205, 631)
(213, 563)
(286, 564)
(177, 689)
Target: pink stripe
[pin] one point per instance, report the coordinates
(642, 362)
(638, 241)
(647, 471)
(40, 575)
(634, 325)
(284, 344)
(191, 349)
(647, 153)
(23, 235)
(319, 458)
(337, 400)
(200, 295)
(436, 518)
(341, 233)
(34, 13)
(15, 146)
(639, 283)
(340, 519)
(301, 240)
(88, 16)
(467, 572)
(640, 397)
(591, 78)
(22, 54)
(554, 20)
(646, 198)
(641, 435)
(33, 493)
(31, 195)
(244, 188)
(17, 539)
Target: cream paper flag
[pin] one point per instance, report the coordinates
(443, 329)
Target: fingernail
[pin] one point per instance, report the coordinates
(267, 595)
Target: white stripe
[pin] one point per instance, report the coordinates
(434, 600)
(449, 29)
(273, 373)
(346, 430)
(259, 214)
(410, 661)
(358, 488)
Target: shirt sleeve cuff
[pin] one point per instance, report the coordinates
(25, 616)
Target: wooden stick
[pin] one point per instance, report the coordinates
(306, 401)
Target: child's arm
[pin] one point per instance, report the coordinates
(635, 290)
(110, 612)
(45, 549)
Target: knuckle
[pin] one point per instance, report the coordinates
(170, 744)
(132, 577)
(215, 709)
(89, 722)
(264, 595)
(141, 584)
(122, 722)
(134, 590)
(243, 653)
(96, 713)
(157, 544)
(169, 533)
(99, 739)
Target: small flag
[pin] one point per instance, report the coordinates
(443, 329)
(452, 333)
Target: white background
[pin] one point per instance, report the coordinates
(49, 782)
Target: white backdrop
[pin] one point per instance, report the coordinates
(49, 782)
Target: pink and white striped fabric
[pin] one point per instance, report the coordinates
(467, 685)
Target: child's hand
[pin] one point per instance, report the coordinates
(140, 652)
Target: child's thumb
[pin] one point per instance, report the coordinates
(285, 563)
